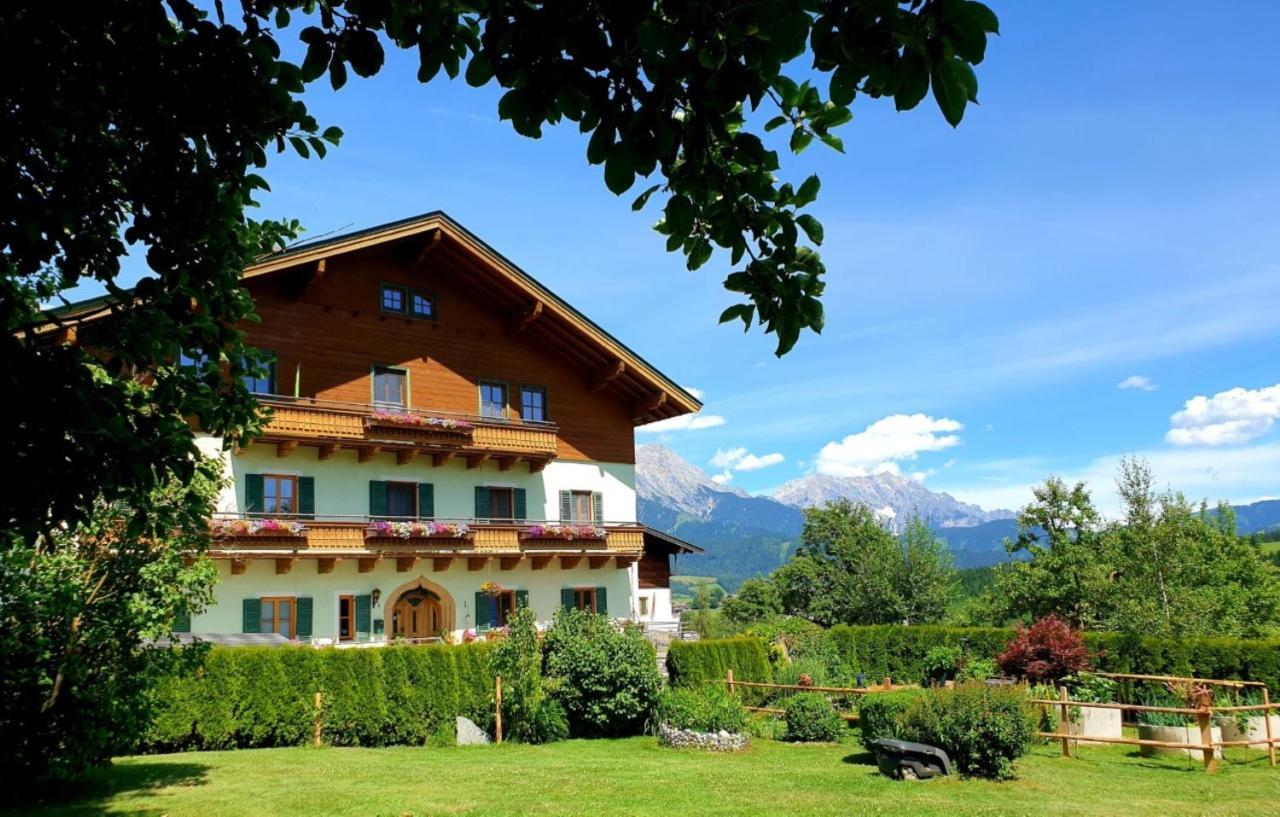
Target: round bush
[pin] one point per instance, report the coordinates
(707, 709)
(811, 719)
(983, 729)
(880, 714)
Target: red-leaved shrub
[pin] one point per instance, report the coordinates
(1048, 650)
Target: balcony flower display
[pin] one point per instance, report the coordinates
(418, 530)
(491, 588)
(258, 527)
(410, 420)
(568, 532)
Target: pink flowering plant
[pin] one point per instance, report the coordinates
(568, 532)
(418, 530)
(405, 418)
(258, 527)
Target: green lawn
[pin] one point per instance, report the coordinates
(635, 776)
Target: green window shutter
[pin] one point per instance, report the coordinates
(521, 508)
(566, 506)
(252, 609)
(253, 493)
(303, 607)
(482, 611)
(597, 508)
(364, 616)
(307, 497)
(566, 598)
(482, 502)
(182, 622)
(602, 601)
(522, 599)
(426, 500)
(377, 498)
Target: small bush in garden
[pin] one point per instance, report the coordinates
(1048, 650)
(976, 669)
(709, 709)
(811, 719)
(982, 729)
(941, 664)
(766, 727)
(517, 658)
(880, 714)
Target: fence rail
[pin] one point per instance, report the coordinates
(851, 717)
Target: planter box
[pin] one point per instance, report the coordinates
(1255, 728)
(1176, 734)
(1087, 722)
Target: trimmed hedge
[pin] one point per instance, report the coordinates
(880, 715)
(249, 697)
(899, 652)
(694, 663)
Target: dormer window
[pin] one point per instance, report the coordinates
(422, 305)
(393, 299)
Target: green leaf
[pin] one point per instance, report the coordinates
(982, 16)
(332, 134)
(317, 60)
(954, 83)
(600, 144)
(832, 141)
(844, 84)
(337, 74)
(679, 217)
(742, 312)
(643, 199)
(800, 139)
(479, 70)
(699, 253)
(808, 191)
(913, 81)
(775, 123)
(811, 226)
(300, 146)
(620, 169)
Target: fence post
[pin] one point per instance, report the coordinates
(1064, 721)
(497, 714)
(1266, 719)
(319, 727)
(729, 681)
(1206, 737)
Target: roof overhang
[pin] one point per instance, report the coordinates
(665, 542)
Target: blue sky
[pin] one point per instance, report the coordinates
(1108, 211)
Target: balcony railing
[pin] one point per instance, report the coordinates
(372, 429)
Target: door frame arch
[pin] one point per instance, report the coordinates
(448, 610)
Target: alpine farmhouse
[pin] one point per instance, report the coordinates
(447, 441)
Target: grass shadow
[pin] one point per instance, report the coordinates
(93, 795)
(860, 759)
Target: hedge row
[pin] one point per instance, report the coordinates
(898, 652)
(247, 697)
(693, 663)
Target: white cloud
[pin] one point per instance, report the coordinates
(881, 444)
(722, 478)
(685, 422)
(740, 459)
(1137, 381)
(698, 393)
(1227, 418)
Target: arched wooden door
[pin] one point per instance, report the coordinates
(417, 614)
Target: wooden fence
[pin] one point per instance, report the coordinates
(886, 686)
(1203, 715)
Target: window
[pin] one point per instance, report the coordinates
(580, 507)
(493, 400)
(584, 598)
(346, 618)
(533, 403)
(393, 299)
(389, 386)
(265, 384)
(422, 305)
(501, 608)
(402, 499)
(190, 361)
(502, 503)
(644, 605)
(277, 615)
(279, 494)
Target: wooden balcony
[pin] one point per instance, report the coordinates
(508, 545)
(329, 426)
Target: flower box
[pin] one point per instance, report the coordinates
(267, 528)
(382, 529)
(563, 532)
(419, 422)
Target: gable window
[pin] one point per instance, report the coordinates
(278, 615)
(584, 598)
(533, 403)
(493, 400)
(390, 387)
(502, 503)
(279, 494)
(393, 299)
(266, 384)
(346, 618)
(402, 499)
(422, 305)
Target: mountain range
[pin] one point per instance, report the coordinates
(745, 535)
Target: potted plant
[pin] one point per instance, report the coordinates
(1174, 727)
(1089, 721)
(1245, 725)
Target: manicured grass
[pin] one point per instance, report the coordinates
(636, 777)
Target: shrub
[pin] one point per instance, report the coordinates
(880, 714)
(708, 709)
(811, 718)
(898, 652)
(547, 724)
(982, 729)
(530, 718)
(941, 664)
(1048, 650)
(976, 669)
(695, 663)
(606, 680)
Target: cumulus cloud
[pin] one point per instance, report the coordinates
(698, 393)
(685, 422)
(722, 478)
(1137, 381)
(879, 447)
(1227, 418)
(740, 459)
